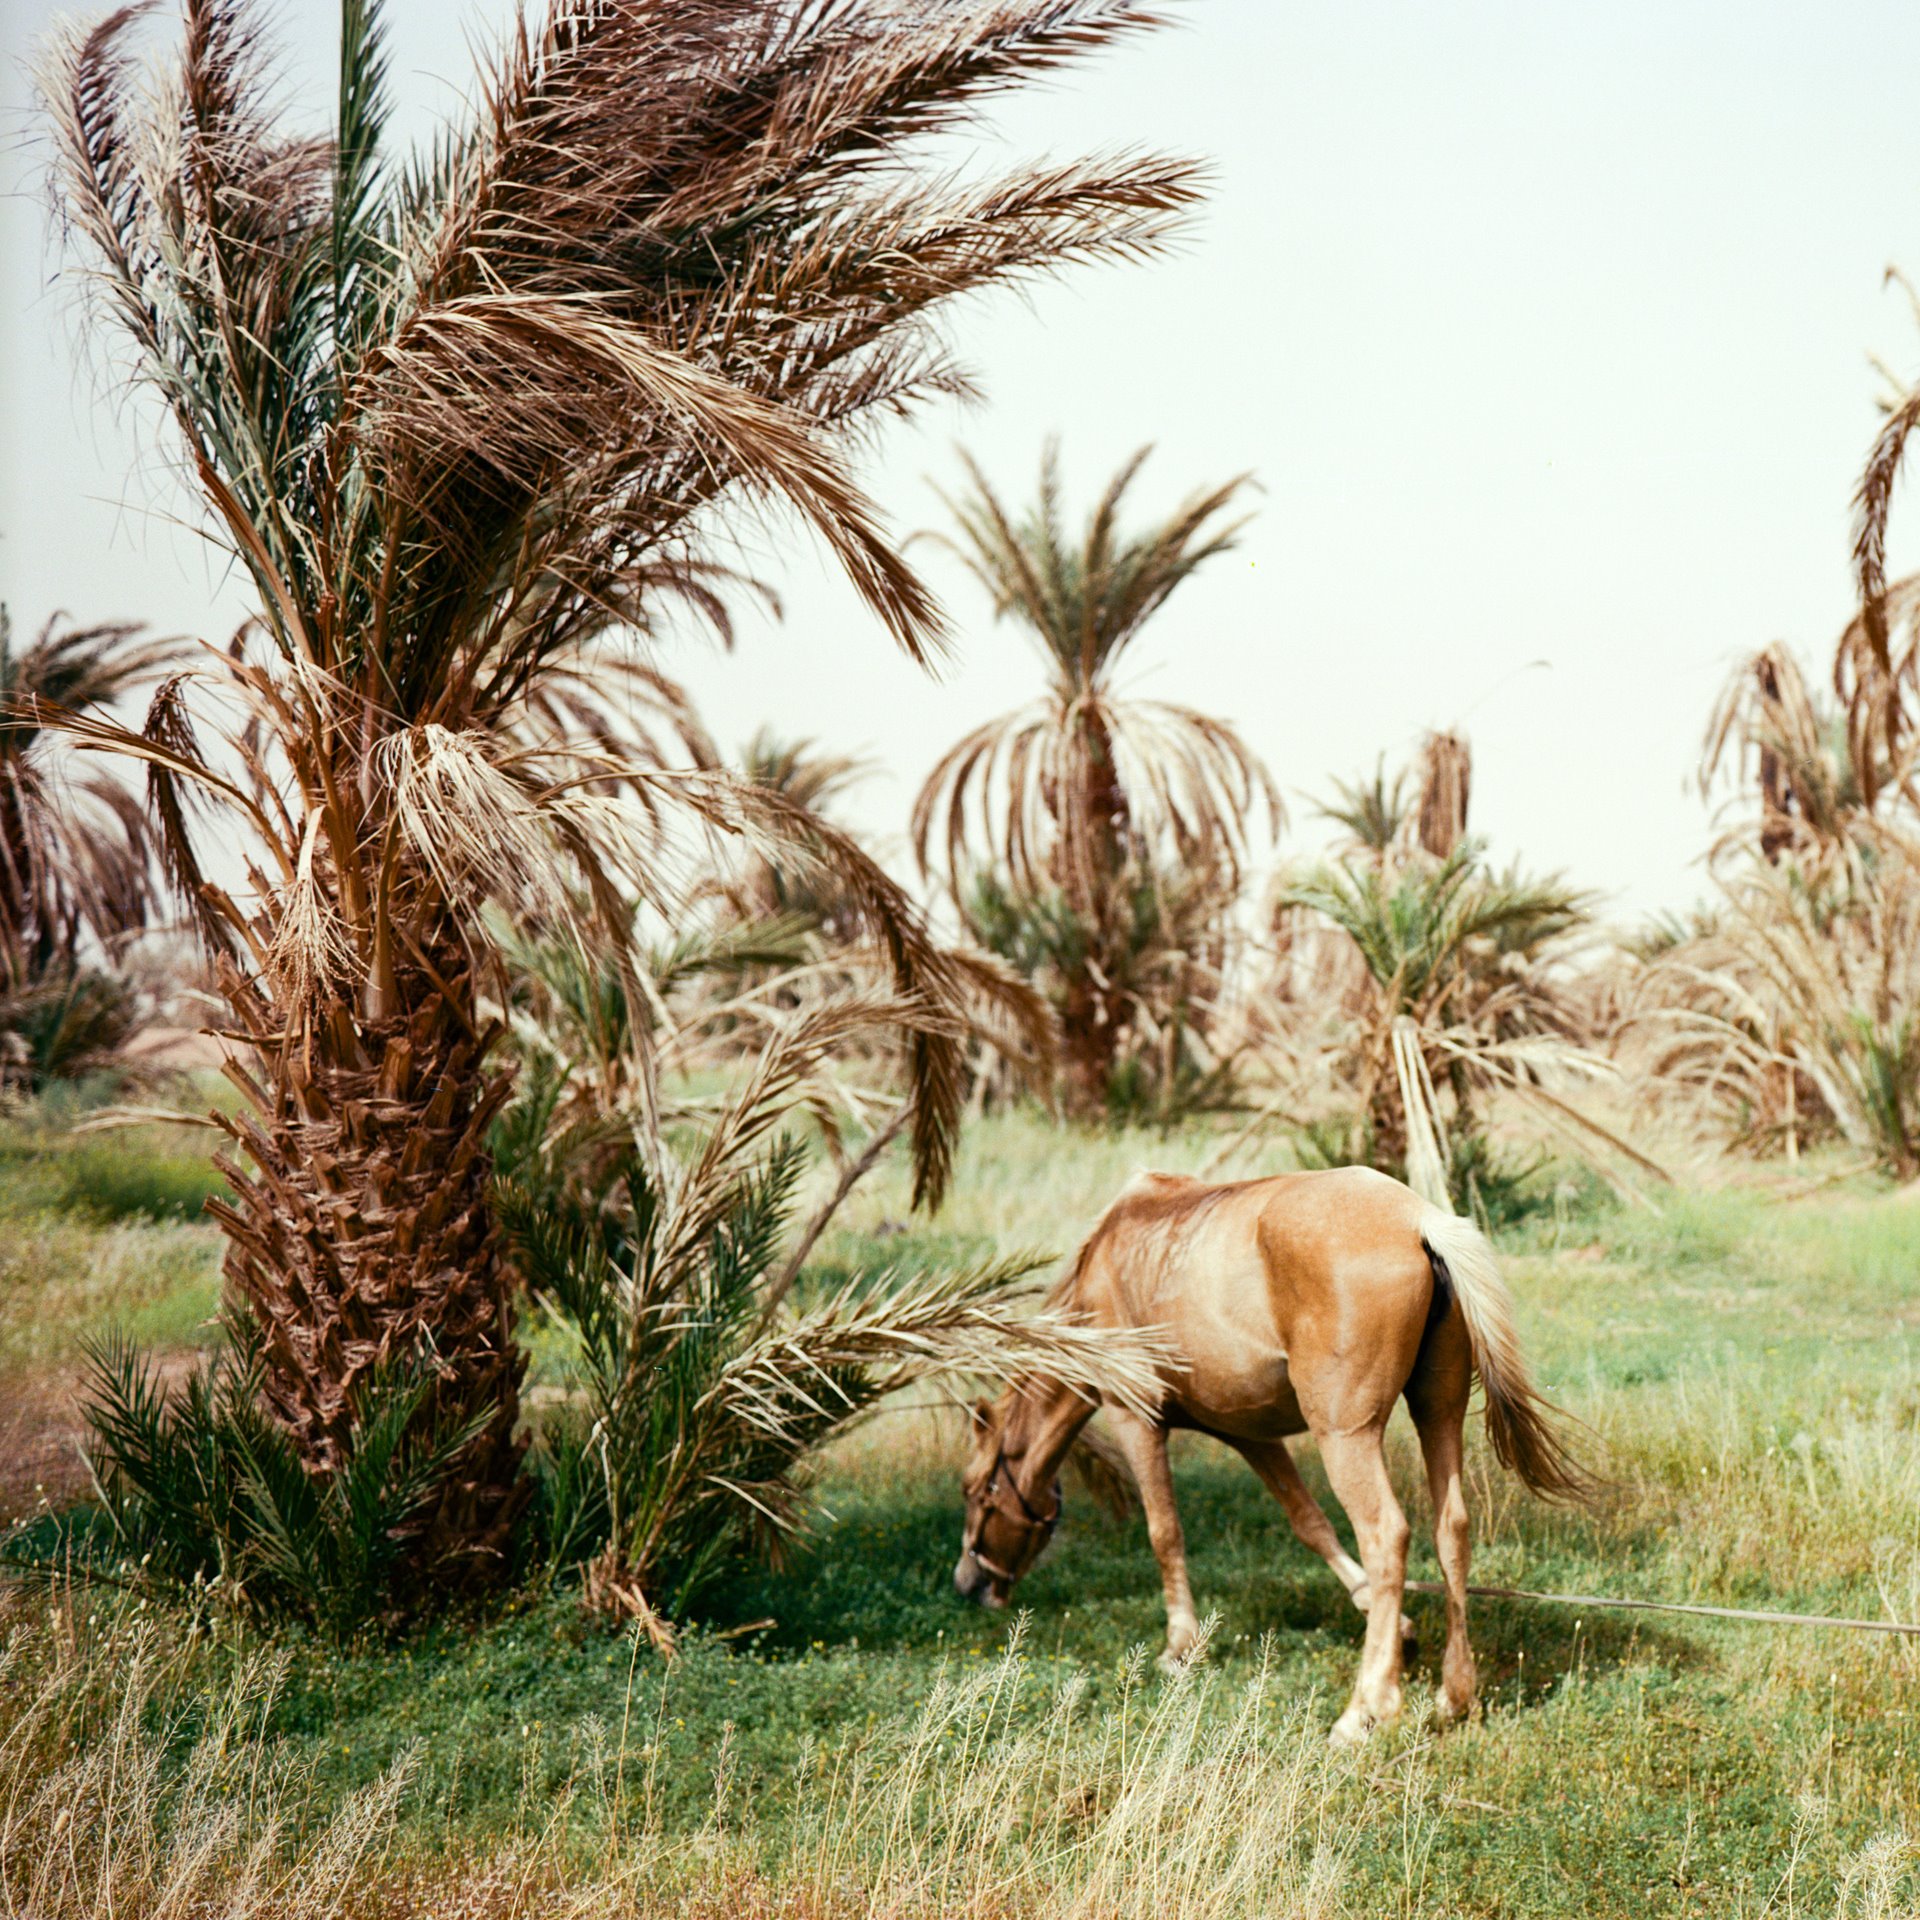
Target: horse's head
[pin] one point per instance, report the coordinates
(1008, 1522)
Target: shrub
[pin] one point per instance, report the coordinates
(204, 1492)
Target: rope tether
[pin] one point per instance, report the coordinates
(1673, 1606)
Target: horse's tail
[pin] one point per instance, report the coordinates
(1522, 1424)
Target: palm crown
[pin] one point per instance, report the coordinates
(1088, 777)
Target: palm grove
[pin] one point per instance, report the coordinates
(475, 423)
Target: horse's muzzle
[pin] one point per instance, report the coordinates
(971, 1581)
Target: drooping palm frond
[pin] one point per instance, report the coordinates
(762, 885)
(1877, 669)
(1770, 727)
(74, 857)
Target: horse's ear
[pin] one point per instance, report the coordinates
(982, 1415)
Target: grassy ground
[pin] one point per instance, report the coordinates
(1750, 1366)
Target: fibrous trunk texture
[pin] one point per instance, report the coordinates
(363, 1234)
(1090, 868)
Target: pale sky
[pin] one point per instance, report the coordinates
(1545, 329)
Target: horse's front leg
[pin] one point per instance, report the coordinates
(1273, 1461)
(1144, 1442)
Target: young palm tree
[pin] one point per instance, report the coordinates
(1087, 795)
(1459, 990)
(458, 418)
(1373, 813)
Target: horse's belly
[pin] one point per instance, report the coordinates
(1248, 1402)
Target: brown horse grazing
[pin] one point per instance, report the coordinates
(1309, 1302)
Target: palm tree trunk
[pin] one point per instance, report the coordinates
(1088, 1040)
(1091, 873)
(364, 1234)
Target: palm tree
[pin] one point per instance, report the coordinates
(459, 418)
(75, 858)
(1089, 798)
(1459, 987)
(73, 852)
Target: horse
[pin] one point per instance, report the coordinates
(1298, 1303)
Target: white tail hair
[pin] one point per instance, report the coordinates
(1520, 1422)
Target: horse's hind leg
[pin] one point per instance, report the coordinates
(1437, 1398)
(1357, 1466)
(1144, 1442)
(1273, 1461)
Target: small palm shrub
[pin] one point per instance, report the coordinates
(695, 1406)
(62, 1022)
(200, 1491)
(1458, 986)
(651, 1181)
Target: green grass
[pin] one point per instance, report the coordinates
(1750, 1368)
(102, 1229)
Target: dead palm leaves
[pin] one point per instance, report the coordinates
(77, 878)
(1794, 1009)
(74, 857)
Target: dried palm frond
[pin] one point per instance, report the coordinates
(1771, 727)
(1800, 1010)
(74, 854)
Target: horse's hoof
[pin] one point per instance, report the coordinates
(1452, 1713)
(1171, 1662)
(1351, 1729)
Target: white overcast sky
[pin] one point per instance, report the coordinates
(1545, 328)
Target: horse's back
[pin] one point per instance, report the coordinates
(1259, 1282)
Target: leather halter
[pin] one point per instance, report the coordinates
(1045, 1522)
